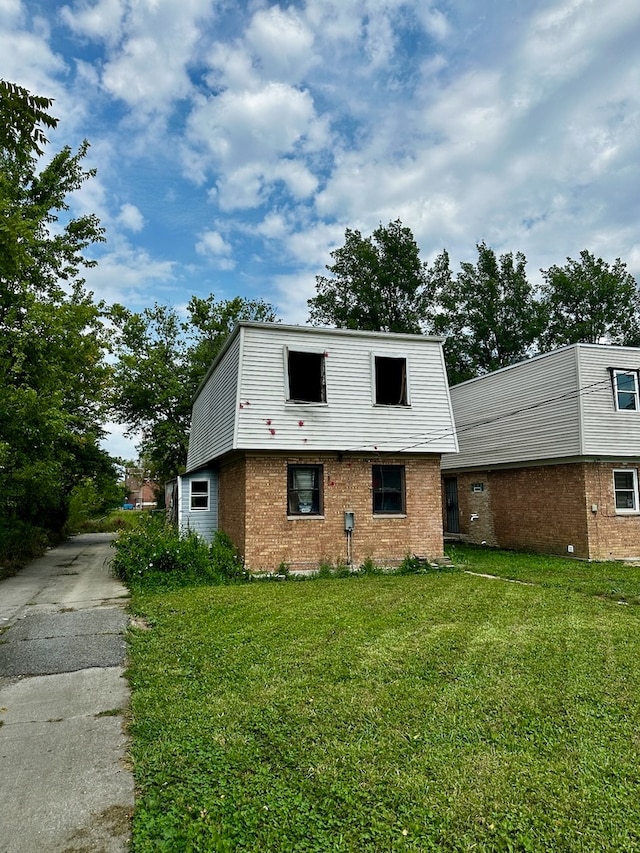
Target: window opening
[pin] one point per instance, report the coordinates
(391, 381)
(625, 386)
(306, 377)
(200, 494)
(304, 490)
(388, 489)
(625, 484)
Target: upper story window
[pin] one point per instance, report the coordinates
(390, 381)
(304, 490)
(306, 376)
(199, 495)
(625, 390)
(388, 489)
(625, 487)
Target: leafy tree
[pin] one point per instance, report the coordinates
(52, 372)
(590, 301)
(376, 283)
(488, 312)
(161, 360)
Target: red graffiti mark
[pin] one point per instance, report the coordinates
(272, 431)
(268, 422)
(241, 406)
(300, 423)
(325, 354)
(247, 402)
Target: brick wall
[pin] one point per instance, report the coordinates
(547, 508)
(612, 535)
(269, 537)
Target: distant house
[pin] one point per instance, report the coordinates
(140, 490)
(310, 445)
(549, 455)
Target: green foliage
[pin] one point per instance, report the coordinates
(590, 301)
(52, 342)
(377, 283)
(488, 312)
(161, 360)
(153, 553)
(439, 712)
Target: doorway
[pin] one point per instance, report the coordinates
(453, 510)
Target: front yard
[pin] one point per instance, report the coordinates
(434, 712)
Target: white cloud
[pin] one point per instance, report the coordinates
(131, 218)
(282, 43)
(213, 245)
(102, 20)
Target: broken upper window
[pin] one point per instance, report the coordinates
(391, 381)
(306, 377)
(625, 387)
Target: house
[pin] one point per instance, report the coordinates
(140, 490)
(319, 445)
(549, 455)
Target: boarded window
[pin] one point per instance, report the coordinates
(391, 381)
(306, 377)
(388, 489)
(199, 495)
(304, 490)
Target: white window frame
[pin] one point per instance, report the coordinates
(394, 356)
(634, 492)
(206, 494)
(617, 391)
(323, 375)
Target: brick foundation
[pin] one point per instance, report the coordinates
(253, 512)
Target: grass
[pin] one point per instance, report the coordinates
(441, 712)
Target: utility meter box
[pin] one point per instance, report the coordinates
(349, 521)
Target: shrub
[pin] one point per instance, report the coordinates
(154, 553)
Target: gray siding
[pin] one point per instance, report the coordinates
(606, 431)
(214, 410)
(556, 406)
(527, 412)
(203, 522)
(349, 420)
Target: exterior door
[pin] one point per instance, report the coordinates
(451, 497)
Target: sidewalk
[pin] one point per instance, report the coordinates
(65, 783)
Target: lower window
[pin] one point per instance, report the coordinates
(304, 490)
(199, 495)
(388, 489)
(625, 486)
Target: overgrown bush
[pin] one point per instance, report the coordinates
(154, 553)
(19, 544)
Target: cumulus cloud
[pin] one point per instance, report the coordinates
(131, 218)
(213, 245)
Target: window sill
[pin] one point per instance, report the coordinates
(627, 512)
(305, 517)
(389, 515)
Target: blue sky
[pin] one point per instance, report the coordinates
(235, 141)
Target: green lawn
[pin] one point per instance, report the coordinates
(438, 712)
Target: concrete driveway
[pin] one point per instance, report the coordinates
(65, 781)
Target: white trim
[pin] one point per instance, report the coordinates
(193, 508)
(631, 510)
(616, 391)
(407, 385)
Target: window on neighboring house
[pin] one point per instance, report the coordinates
(391, 381)
(625, 486)
(306, 372)
(625, 389)
(304, 490)
(388, 489)
(199, 494)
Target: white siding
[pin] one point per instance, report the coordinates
(527, 412)
(349, 420)
(214, 410)
(607, 432)
(203, 522)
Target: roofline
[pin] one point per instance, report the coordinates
(255, 324)
(541, 355)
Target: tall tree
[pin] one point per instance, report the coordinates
(488, 312)
(376, 283)
(52, 370)
(161, 360)
(590, 301)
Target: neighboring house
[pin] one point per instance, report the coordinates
(140, 491)
(549, 455)
(310, 445)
